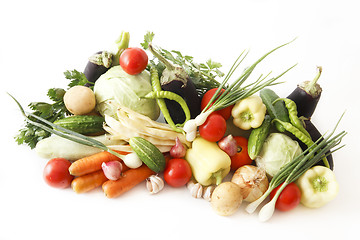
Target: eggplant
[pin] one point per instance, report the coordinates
(188, 92)
(101, 61)
(97, 65)
(315, 135)
(175, 79)
(306, 96)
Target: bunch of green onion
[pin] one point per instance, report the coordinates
(234, 92)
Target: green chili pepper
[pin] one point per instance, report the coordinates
(293, 114)
(159, 95)
(155, 83)
(171, 96)
(296, 132)
(301, 136)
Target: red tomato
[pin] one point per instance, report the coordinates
(241, 158)
(133, 60)
(56, 173)
(213, 128)
(225, 112)
(177, 172)
(288, 199)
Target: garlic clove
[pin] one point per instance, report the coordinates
(195, 188)
(112, 169)
(154, 184)
(178, 150)
(208, 192)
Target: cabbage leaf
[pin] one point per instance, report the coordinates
(117, 88)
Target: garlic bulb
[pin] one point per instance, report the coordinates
(252, 181)
(112, 170)
(154, 184)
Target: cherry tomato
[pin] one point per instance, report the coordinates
(288, 199)
(177, 172)
(56, 173)
(213, 128)
(241, 158)
(133, 60)
(225, 112)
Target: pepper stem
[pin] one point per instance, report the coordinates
(218, 176)
(320, 184)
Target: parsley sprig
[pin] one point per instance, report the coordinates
(31, 134)
(204, 75)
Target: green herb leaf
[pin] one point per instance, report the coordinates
(149, 36)
(203, 75)
(31, 134)
(77, 78)
(56, 94)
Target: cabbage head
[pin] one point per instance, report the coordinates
(117, 88)
(278, 150)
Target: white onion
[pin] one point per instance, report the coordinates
(252, 181)
(132, 160)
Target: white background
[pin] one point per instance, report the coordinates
(42, 39)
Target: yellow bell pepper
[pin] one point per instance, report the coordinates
(318, 186)
(249, 112)
(209, 164)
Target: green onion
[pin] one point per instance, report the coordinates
(293, 170)
(235, 92)
(63, 132)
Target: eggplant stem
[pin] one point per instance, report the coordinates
(311, 86)
(167, 64)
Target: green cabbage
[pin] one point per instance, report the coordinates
(116, 87)
(278, 150)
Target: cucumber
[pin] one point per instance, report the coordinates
(277, 110)
(83, 124)
(257, 137)
(148, 153)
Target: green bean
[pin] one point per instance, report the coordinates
(155, 83)
(293, 114)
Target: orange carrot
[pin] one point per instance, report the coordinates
(88, 182)
(92, 163)
(129, 179)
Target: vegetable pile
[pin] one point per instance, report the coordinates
(145, 114)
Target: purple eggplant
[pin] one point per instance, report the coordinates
(175, 79)
(101, 61)
(188, 93)
(306, 96)
(98, 64)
